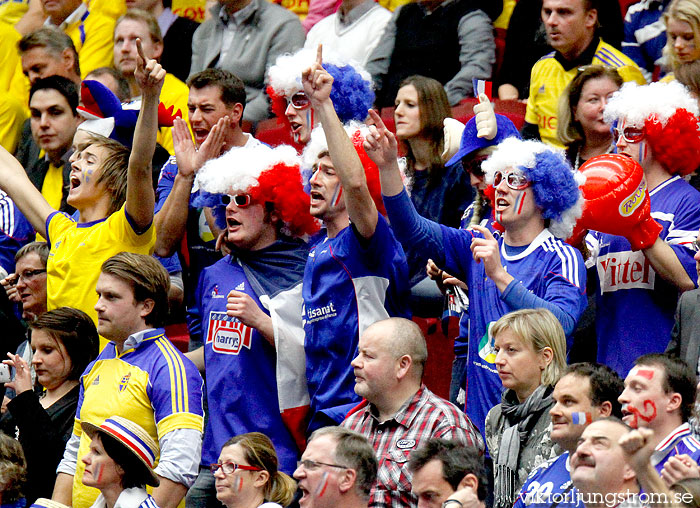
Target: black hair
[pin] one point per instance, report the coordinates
(679, 378)
(606, 384)
(62, 85)
(136, 473)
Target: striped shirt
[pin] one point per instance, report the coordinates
(679, 442)
(645, 34)
(424, 416)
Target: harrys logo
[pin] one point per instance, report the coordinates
(227, 334)
(124, 382)
(624, 270)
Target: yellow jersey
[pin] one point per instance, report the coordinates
(549, 79)
(93, 36)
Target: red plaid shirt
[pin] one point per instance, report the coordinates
(422, 417)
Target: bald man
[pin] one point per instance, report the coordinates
(399, 414)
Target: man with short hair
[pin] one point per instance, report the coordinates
(112, 79)
(245, 37)
(398, 413)
(89, 31)
(138, 24)
(585, 393)
(338, 468)
(49, 51)
(599, 467)
(444, 470)
(216, 103)
(659, 394)
(571, 32)
(139, 375)
(177, 34)
(53, 103)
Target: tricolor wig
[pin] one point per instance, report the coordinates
(352, 93)
(669, 115)
(554, 182)
(317, 145)
(268, 175)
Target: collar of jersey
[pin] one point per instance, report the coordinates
(539, 239)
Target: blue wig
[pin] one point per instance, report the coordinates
(352, 95)
(553, 184)
(215, 202)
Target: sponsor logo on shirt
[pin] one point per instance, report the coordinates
(625, 270)
(319, 313)
(215, 292)
(227, 334)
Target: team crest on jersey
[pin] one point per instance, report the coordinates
(124, 382)
(227, 334)
(487, 347)
(215, 292)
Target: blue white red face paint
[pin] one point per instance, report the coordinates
(519, 202)
(581, 418)
(99, 470)
(240, 483)
(337, 195)
(321, 490)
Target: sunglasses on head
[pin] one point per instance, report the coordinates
(515, 180)
(299, 100)
(629, 134)
(240, 200)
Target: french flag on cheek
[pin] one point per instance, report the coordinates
(581, 418)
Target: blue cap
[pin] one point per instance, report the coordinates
(470, 143)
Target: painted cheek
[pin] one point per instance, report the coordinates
(321, 490)
(240, 483)
(519, 202)
(337, 196)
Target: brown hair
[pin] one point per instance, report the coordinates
(144, 17)
(434, 108)
(113, 170)
(51, 39)
(148, 279)
(260, 452)
(13, 469)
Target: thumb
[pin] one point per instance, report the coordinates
(483, 98)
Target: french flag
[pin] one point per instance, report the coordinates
(482, 86)
(581, 418)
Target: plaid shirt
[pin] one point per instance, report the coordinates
(422, 417)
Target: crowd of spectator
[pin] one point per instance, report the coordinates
(294, 185)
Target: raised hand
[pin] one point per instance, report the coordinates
(380, 144)
(191, 159)
(22, 381)
(486, 249)
(149, 74)
(486, 126)
(679, 467)
(9, 283)
(316, 81)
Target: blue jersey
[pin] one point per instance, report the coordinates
(240, 370)
(548, 485)
(15, 232)
(548, 273)
(349, 283)
(679, 442)
(632, 296)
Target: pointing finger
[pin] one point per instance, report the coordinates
(319, 54)
(139, 48)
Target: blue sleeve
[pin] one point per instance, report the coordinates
(165, 183)
(630, 45)
(517, 296)
(419, 237)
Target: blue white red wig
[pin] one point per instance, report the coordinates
(268, 175)
(668, 113)
(554, 183)
(352, 93)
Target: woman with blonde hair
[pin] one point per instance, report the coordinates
(530, 350)
(682, 50)
(247, 475)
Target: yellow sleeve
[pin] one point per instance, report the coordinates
(503, 20)
(632, 73)
(12, 11)
(530, 113)
(58, 225)
(120, 228)
(12, 116)
(96, 51)
(392, 5)
(110, 8)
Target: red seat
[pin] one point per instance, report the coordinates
(179, 335)
(438, 368)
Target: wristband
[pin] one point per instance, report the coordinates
(447, 503)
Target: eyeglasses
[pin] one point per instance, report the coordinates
(694, 245)
(311, 465)
(230, 467)
(515, 180)
(629, 134)
(299, 100)
(240, 200)
(29, 274)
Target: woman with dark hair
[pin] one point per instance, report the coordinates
(581, 127)
(64, 342)
(247, 475)
(120, 463)
(429, 138)
(13, 473)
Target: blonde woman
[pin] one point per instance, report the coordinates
(682, 50)
(530, 349)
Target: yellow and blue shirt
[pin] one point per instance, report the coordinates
(78, 251)
(151, 383)
(551, 75)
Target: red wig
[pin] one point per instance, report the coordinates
(675, 145)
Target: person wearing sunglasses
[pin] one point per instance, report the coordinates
(537, 202)
(352, 92)
(247, 474)
(640, 278)
(253, 354)
(356, 273)
(338, 468)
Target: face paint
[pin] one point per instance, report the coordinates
(87, 174)
(100, 469)
(581, 418)
(519, 202)
(642, 152)
(240, 483)
(322, 486)
(645, 373)
(337, 196)
(648, 415)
